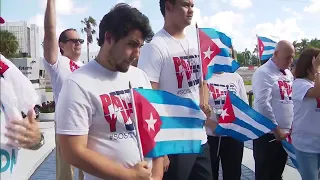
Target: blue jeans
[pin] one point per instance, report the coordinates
(309, 165)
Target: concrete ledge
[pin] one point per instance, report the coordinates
(28, 161)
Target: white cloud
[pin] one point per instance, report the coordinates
(293, 13)
(241, 4)
(65, 7)
(314, 7)
(287, 29)
(228, 22)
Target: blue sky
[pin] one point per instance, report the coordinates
(240, 19)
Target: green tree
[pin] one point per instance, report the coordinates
(8, 44)
(314, 43)
(89, 24)
(241, 59)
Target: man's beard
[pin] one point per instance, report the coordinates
(118, 67)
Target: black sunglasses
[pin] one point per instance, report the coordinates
(81, 41)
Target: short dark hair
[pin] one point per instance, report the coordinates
(121, 20)
(162, 4)
(304, 62)
(63, 37)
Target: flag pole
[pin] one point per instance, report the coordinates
(202, 88)
(135, 122)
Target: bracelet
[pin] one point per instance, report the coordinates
(39, 145)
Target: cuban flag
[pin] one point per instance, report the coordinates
(240, 121)
(167, 124)
(266, 48)
(215, 50)
(288, 147)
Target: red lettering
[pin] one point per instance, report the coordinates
(216, 93)
(285, 89)
(128, 109)
(177, 64)
(180, 63)
(281, 87)
(112, 120)
(187, 69)
(116, 101)
(318, 102)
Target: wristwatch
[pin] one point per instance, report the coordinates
(39, 145)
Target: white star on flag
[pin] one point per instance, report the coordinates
(207, 54)
(151, 122)
(224, 113)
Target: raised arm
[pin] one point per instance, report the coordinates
(50, 43)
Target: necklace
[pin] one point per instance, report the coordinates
(177, 41)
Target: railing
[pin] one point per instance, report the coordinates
(250, 94)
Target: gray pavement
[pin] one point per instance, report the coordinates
(47, 169)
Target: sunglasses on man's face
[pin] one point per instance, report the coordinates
(81, 41)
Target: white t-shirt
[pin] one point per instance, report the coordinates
(8, 156)
(218, 86)
(165, 60)
(272, 92)
(59, 72)
(306, 119)
(96, 102)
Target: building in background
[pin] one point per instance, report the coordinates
(27, 35)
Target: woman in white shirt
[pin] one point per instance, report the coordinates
(306, 120)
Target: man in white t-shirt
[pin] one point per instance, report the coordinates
(59, 68)
(94, 112)
(172, 64)
(272, 90)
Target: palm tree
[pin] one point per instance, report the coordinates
(8, 44)
(89, 23)
(247, 56)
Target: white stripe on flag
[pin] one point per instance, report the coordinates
(268, 52)
(175, 111)
(179, 134)
(219, 43)
(221, 60)
(269, 44)
(244, 117)
(239, 129)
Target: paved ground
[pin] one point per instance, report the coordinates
(246, 74)
(47, 169)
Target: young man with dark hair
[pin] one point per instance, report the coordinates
(59, 68)
(94, 113)
(173, 64)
